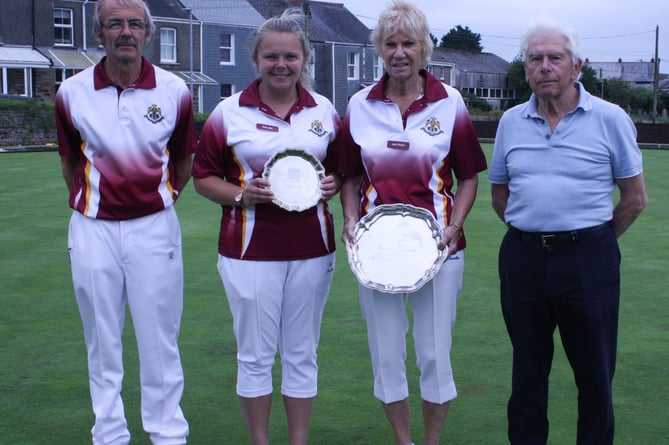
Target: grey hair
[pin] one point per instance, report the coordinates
(543, 25)
(404, 16)
(289, 21)
(97, 18)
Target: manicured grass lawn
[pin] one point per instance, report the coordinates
(43, 380)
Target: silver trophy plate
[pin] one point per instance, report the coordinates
(295, 179)
(394, 249)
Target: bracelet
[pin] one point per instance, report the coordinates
(349, 217)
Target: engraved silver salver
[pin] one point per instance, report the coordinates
(395, 248)
(295, 179)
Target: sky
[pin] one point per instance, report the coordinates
(608, 29)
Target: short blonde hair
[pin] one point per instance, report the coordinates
(405, 17)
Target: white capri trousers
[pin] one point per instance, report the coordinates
(277, 304)
(434, 311)
(138, 262)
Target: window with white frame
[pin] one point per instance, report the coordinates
(227, 90)
(378, 68)
(168, 45)
(63, 27)
(353, 66)
(15, 81)
(227, 48)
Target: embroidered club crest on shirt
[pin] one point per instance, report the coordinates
(154, 114)
(432, 127)
(317, 128)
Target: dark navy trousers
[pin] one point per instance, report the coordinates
(576, 288)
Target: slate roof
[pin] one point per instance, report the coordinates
(269, 8)
(330, 22)
(226, 12)
(484, 63)
(167, 9)
(637, 72)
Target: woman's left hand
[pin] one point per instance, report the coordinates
(330, 185)
(449, 239)
(258, 191)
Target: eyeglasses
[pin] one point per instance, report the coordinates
(118, 24)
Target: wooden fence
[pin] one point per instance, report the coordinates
(647, 134)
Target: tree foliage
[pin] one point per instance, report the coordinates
(619, 92)
(641, 100)
(633, 99)
(518, 80)
(462, 38)
(663, 100)
(590, 81)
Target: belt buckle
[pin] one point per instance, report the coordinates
(546, 240)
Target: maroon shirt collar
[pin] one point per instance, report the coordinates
(250, 97)
(434, 90)
(147, 78)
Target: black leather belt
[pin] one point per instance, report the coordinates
(555, 239)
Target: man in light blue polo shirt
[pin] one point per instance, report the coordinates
(557, 159)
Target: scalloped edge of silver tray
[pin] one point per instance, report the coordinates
(399, 248)
(289, 172)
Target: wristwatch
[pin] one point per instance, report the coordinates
(239, 198)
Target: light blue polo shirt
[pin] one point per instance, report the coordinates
(563, 179)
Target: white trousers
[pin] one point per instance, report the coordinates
(434, 311)
(137, 262)
(277, 304)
